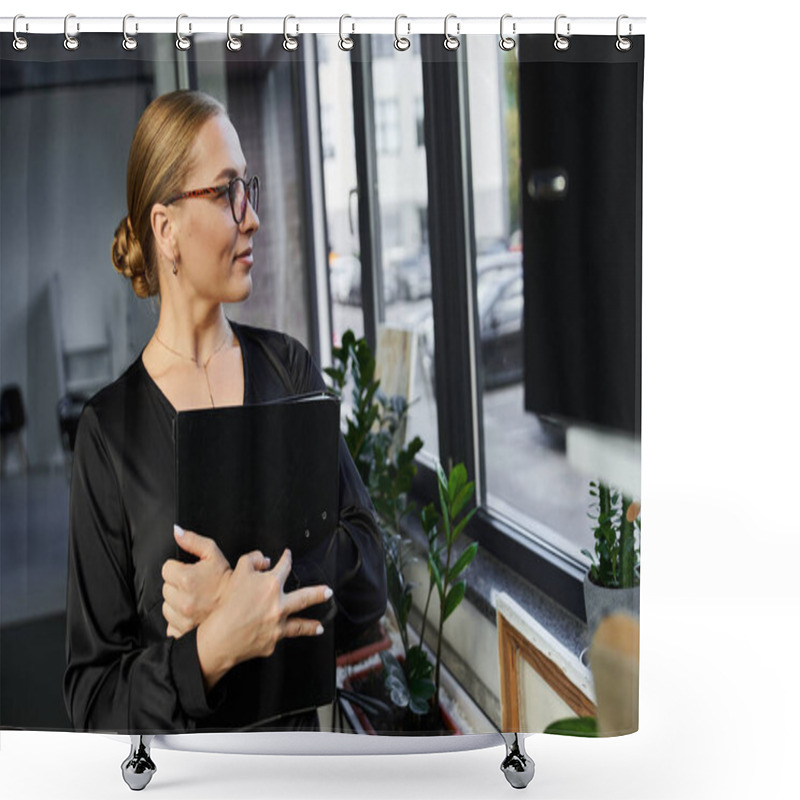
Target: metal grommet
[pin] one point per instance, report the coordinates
(19, 42)
(289, 43)
(506, 42)
(182, 43)
(70, 42)
(400, 42)
(623, 44)
(561, 43)
(233, 44)
(128, 42)
(450, 42)
(345, 42)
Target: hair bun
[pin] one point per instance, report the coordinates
(128, 258)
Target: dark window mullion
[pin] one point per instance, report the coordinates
(304, 122)
(451, 242)
(367, 177)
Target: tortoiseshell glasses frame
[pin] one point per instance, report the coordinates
(239, 191)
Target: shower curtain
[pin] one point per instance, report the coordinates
(470, 217)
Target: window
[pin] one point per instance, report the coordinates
(328, 132)
(533, 502)
(341, 194)
(387, 126)
(382, 47)
(402, 200)
(527, 477)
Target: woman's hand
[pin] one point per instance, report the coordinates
(192, 591)
(254, 614)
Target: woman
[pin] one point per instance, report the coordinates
(150, 639)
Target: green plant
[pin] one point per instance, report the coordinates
(573, 726)
(409, 684)
(387, 468)
(442, 528)
(615, 561)
(373, 428)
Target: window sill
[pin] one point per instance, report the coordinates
(487, 576)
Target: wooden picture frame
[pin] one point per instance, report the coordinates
(530, 656)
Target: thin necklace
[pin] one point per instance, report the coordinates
(195, 361)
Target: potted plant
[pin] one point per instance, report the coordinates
(442, 528)
(612, 582)
(405, 681)
(372, 435)
(386, 465)
(386, 471)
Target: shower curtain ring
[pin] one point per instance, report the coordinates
(70, 42)
(506, 42)
(19, 42)
(182, 43)
(623, 44)
(233, 44)
(561, 42)
(289, 43)
(400, 42)
(128, 42)
(345, 42)
(450, 42)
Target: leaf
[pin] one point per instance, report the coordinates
(418, 706)
(395, 682)
(390, 663)
(429, 518)
(458, 477)
(399, 695)
(348, 339)
(416, 445)
(454, 597)
(442, 484)
(406, 607)
(463, 524)
(440, 476)
(435, 571)
(418, 665)
(464, 560)
(422, 689)
(337, 375)
(574, 726)
(461, 499)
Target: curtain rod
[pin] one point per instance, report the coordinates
(294, 25)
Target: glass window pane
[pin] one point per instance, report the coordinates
(257, 97)
(528, 478)
(341, 198)
(403, 205)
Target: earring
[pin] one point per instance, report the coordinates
(174, 267)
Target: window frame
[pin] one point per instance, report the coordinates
(526, 551)
(371, 254)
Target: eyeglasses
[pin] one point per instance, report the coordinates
(238, 190)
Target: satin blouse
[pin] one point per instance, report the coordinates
(123, 673)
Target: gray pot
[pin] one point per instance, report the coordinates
(601, 601)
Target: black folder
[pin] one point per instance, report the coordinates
(266, 476)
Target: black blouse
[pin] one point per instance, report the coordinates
(123, 673)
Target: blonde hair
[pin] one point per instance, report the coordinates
(159, 161)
